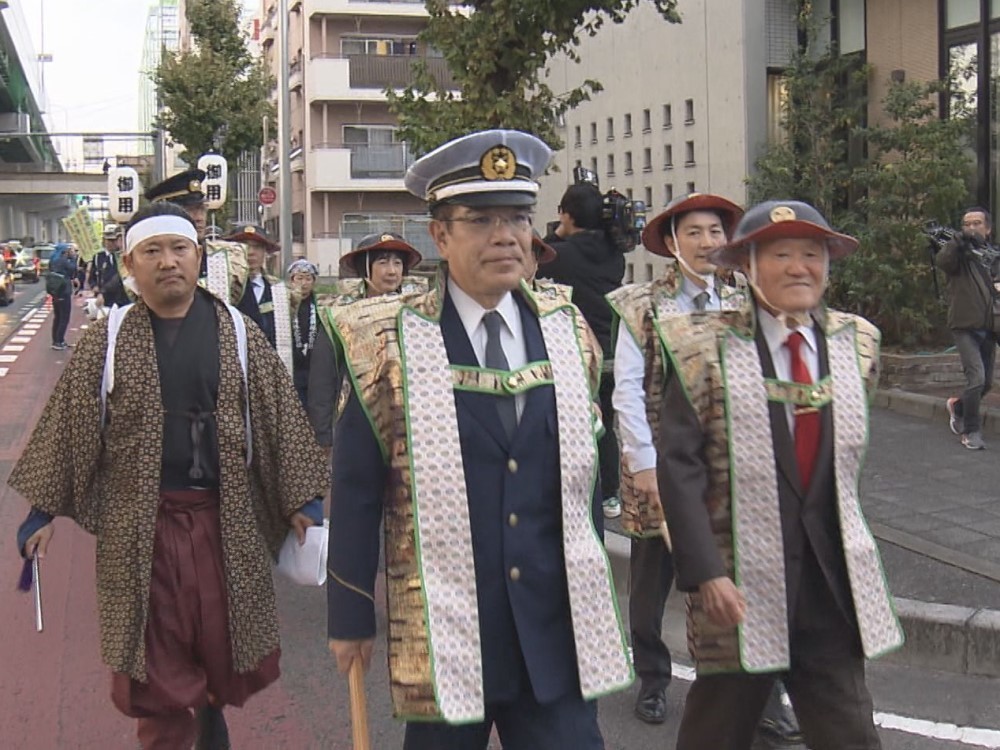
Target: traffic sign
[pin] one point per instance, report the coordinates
(267, 196)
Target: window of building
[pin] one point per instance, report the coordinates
(649, 272)
(611, 165)
(690, 188)
(667, 117)
(376, 151)
(648, 196)
(611, 128)
(628, 193)
(628, 126)
(577, 140)
(961, 13)
(851, 26)
(777, 97)
(579, 163)
(298, 227)
(593, 132)
(668, 156)
(593, 164)
(647, 160)
(668, 193)
(628, 162)
(629, 273)
(688, 153)
(389, 46)
(647, 121)
(688, 111)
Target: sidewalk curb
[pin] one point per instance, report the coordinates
(929, 407)
(943, 637)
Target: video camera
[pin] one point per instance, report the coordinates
(621, 219)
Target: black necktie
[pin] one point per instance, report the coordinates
(701, 301)
(497, 360)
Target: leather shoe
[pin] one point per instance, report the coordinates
(651, 705)
(213, 734)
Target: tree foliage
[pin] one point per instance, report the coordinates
(881, 182)
(497, 52)
(215, 95)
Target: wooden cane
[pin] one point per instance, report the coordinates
(359, 706)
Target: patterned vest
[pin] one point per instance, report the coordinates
(400, 370)
(717, 360)
(637, 307)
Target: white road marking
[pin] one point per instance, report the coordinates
(935, 730)
(3, 371)
(21, 339)
(13, 348)
(8, 358)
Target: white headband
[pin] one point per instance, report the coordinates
(155, 226)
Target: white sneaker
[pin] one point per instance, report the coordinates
(612, 507)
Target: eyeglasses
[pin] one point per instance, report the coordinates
(486, 223)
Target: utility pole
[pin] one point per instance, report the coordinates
(284, 137)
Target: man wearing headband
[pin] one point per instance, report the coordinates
(189, 501)
(763, 430)
(501, 608)
(305, 322)
(381, 262)
(265, 300)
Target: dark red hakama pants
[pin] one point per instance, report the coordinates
(188, 650)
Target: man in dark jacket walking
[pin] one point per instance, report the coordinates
(972, 267)
(590, 263)
(62, 273)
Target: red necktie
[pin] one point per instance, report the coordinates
(806, 417)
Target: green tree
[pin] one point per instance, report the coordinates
(217, 94)
(497, 52)
(880, 182)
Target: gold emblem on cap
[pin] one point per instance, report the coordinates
(249, 230)
(386, 238)
(498, 163)
(194, 186)
(782, 213)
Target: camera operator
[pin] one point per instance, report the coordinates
(971, 265)
(589, 262)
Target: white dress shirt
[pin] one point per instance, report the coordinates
(629, 397)
(776, 334)
(258, 287)
(511, 332)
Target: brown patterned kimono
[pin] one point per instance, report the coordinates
(110, 482)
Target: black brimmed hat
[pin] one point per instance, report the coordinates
(775, 220)
(184, 189)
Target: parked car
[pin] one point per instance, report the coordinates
(6, 287)
(26, 266)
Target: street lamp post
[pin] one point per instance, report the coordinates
(284, 137)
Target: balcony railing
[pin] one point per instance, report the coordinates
(380, 162)
(413, 228)
(392, 71)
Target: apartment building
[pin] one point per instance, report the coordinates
(685, 107)
(348, 160)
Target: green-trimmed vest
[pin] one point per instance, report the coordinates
(637, 307)
(718, 363)
(400, 370)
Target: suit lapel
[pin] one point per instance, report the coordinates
(481, 406)
(536, 398)
(784, 445)
(826, 422)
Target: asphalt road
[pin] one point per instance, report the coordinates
(54, 690)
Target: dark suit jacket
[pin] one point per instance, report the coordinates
(815, 569)
(525, 627)
(248, 306)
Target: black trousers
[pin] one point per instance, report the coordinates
(524, 724)
(61, 307)
(651, 574)
(607, 446)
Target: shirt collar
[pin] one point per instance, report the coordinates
(471, 312)
(691, 290)
(776, 333)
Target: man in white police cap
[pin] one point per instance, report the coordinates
(501, 609)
